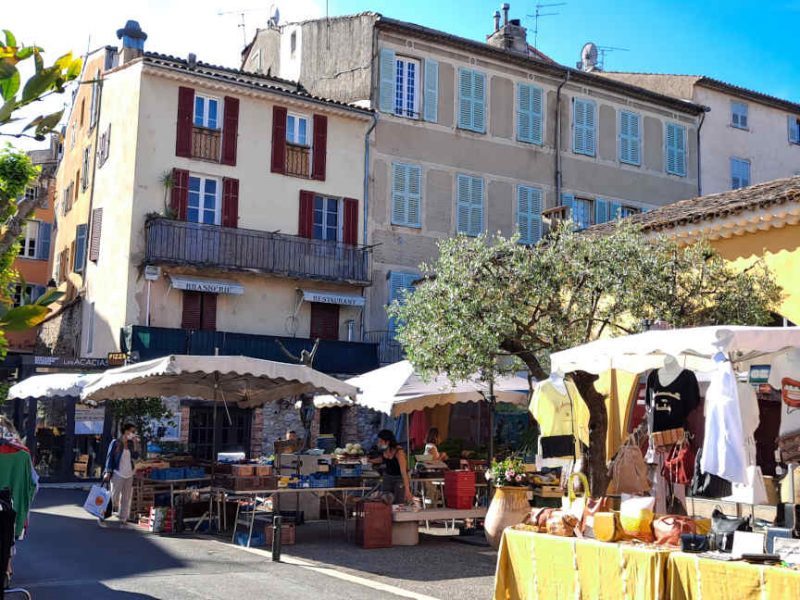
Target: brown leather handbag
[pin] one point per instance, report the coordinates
(668, 437)
(668, 529)
(789, 446)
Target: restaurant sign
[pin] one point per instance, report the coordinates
(329, 298)
(210, 286)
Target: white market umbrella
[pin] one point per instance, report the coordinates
(693, 347)
(52, 385)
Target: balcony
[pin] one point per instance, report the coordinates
(182, 243)
(332, 356)
(389, 349)
(298, 160)
(206, 143)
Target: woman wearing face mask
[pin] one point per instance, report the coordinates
(119, 470)
(395, 477)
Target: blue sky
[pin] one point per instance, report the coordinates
(752, 44)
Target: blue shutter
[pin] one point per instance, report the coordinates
(387, 86)
(80, 249)
(529, 113)
(431, 95)
(600, 211)
(583, 126)
(740, 173)
(37, 291)
(414, 196)
(568, 200)
(614, 211)
(400, 284)
(469, 205)
(629, 138)
(529, 214)
(43, 239)
(476, 211)
(479, 102)
(793, 124)
(399, 194)
(464, 98)
(471, 100)
(676, 149)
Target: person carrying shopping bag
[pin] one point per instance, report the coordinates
(119, 470)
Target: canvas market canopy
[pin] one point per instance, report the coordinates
(51, 385)
(693, 347)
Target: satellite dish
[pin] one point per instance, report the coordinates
(274, 15)
(589, 57)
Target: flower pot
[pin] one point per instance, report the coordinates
(508, 507)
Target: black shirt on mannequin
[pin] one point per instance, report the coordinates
(673, 402)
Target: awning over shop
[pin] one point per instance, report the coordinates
(333, 298)
(211, 286)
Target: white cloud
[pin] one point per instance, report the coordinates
(175, 27)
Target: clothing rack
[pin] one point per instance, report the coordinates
(8, 434)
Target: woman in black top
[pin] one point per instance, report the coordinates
(395, 477)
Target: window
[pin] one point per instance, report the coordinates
(630, 140)
(67, 196)
(739, 115)
(85, 168)
(580, 210)
(255, 61)
(628, 211)
(79, 254)
(31, 194)
(406, 100)
(529, 214)
(740, 173)
(104, 147)
(94, 105)
(297, 130)
(22, 295)
(529, 113)
(676, 149)
(203, 202)
(77, 183)
(471, 100)
(400, 285)
(30, 234)
(327, 222)
(605, 211)
(199, 311)
(406, 194)
(583, 127)
(83, 110)
(293, 43)
(324, 321)
(206, 111)
(794, 129)
(469, 204)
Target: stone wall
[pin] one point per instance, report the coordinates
(61, 334)
(278, 418)
(360, 425)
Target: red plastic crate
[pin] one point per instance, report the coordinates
(459, 489)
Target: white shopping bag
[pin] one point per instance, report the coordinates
(97, 502)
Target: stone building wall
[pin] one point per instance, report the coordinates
(61, 334)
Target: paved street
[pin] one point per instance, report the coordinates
(67, 556)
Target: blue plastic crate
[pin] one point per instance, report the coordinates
(323, 481)
(158, 474)
(259, 538)
(348, 471)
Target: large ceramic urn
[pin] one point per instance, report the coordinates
(508, 507)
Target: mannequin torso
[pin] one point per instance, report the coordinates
(670, 371)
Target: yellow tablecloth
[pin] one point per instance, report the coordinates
(536, 565)
(694, 578)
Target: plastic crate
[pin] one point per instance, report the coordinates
(258, 539)
(323, 481)
(459, 489)
(347, 471)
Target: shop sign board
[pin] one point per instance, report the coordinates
(117, 359)
(68, 362)
(329, 298)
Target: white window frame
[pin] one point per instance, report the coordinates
(339, 216)
(201, 198)
(734, 113)
(735, 160)
(29, 240)
(206, 100)
(296, 129)
(401, 70)
(401, 192)
(21, 294)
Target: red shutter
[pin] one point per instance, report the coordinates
(180, 193)
(324, 321)
(320, 149)
(230, 129)
(183, 136)
(350, 225)
(306, 226)
(230, 202)
(191, 310)
(278, 139)
(208, 317)
(94, 237)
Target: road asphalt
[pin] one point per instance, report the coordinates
(67, 556)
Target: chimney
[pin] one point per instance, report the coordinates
(512, 36)
(133, 39)
(192, 61)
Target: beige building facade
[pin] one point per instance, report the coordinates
(746, 138)
(478, 137)
(224, 213)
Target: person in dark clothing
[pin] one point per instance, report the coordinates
(395, 462)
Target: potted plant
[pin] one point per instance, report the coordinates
(510, 501)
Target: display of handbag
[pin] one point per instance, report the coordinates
(723, 527)
(607, 527)
(538, 518)
(789, 446)
(562, 524)
(628, 471)
(706, 485)
(97, 502)
(694, 542)
(679, 463)
(669, 529)
(636, 517)
(668, 437)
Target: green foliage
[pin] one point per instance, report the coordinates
(486, 297)
(142, 412)
(17, 172)
(507, 472)
(46, 80)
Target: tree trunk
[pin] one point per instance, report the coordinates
(14, 225)
(514, 346)
(596, 468)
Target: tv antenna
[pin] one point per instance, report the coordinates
(241, 12)
(537, 14)
(603, 50)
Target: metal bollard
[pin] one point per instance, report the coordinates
(276, 538)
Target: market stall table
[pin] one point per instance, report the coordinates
(438, 514)
(692, 577)
(537, 565)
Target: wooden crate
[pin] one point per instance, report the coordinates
(287, 534)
